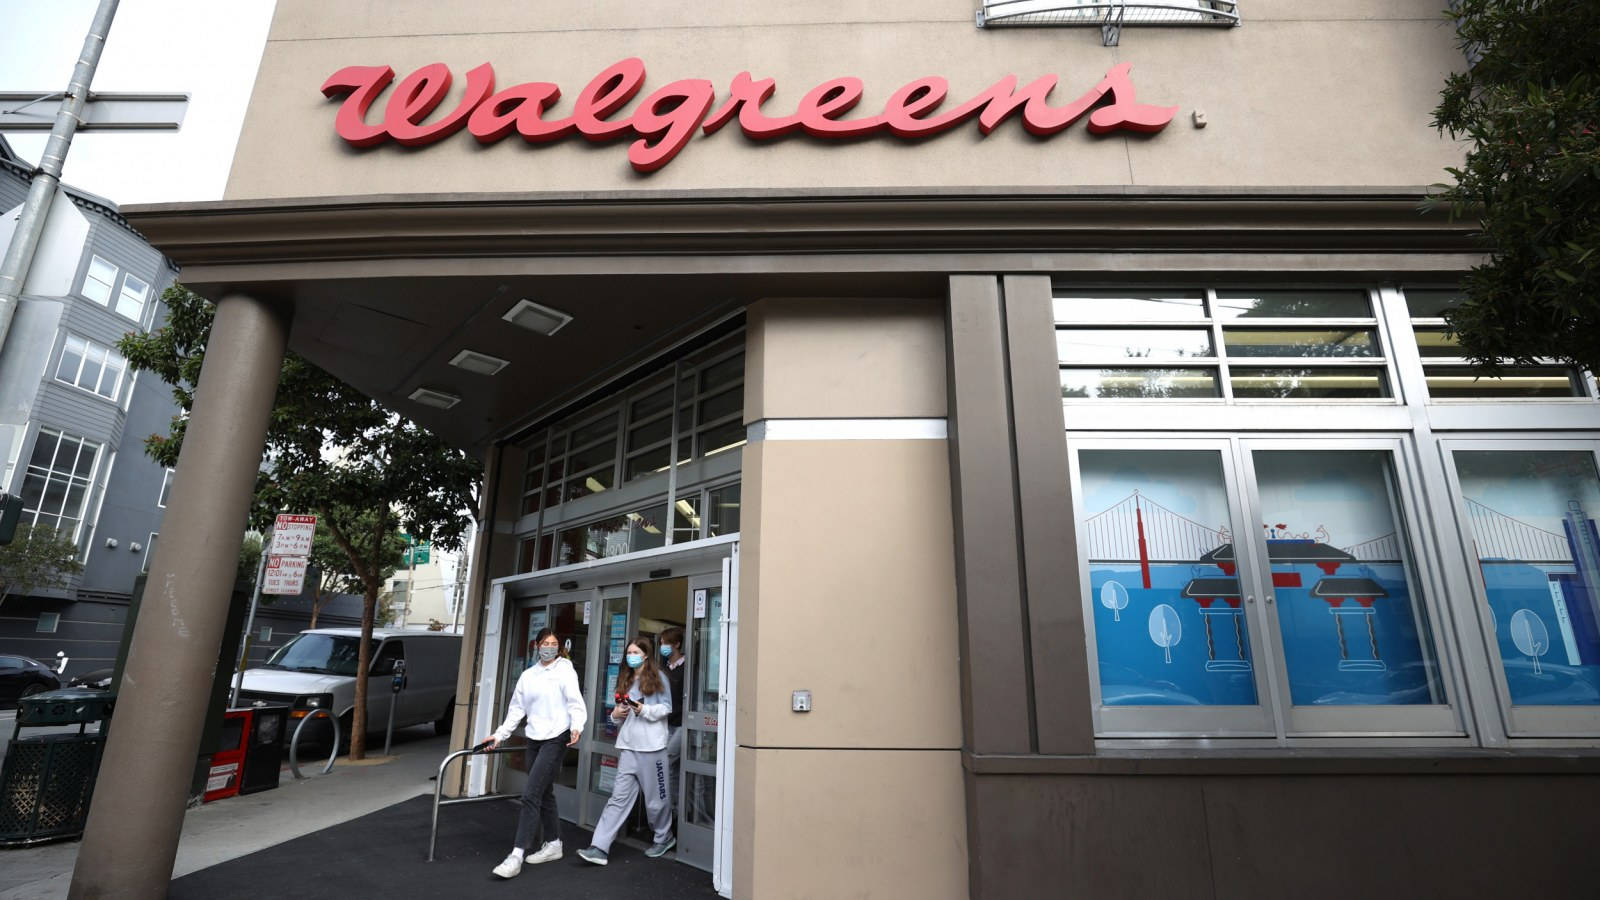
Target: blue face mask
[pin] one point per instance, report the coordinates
(666, 650)
(635, 660)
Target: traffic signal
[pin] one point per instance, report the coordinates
(10, 515)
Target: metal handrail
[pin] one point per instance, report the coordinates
(294, 743)
(438, 790)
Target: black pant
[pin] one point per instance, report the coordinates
(544, 760)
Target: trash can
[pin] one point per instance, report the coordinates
(48, 779)
(263, 757)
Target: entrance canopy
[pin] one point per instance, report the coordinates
(386, 290)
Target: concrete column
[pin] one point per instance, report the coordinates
(132, 836)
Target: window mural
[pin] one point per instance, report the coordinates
(1169, 623)
(1530, 520)
(1354, 629)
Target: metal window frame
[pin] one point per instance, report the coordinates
(1519, 722)
(1285, 725)
(1221, 362)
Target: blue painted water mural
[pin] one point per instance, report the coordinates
(1134, 670)
(1566, 673)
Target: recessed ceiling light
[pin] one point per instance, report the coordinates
(435, 399)
(537, 317)
(479, 363)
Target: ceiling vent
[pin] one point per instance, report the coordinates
(435, 399)
(479, 363)
(537, 317)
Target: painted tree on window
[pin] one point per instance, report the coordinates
(330, 450)
(1528, 101)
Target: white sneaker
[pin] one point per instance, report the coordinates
(510, 867)
(550, 852)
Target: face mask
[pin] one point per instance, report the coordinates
(548, 653)
(666, 650)
(635, 660)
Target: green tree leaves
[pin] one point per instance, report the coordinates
(364, 470)
(37, 559)
(1529, 103)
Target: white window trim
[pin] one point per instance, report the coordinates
(83, 358)
(111, 286)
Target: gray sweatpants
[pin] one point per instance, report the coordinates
(636, 770)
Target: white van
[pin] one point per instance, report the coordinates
(317, 670)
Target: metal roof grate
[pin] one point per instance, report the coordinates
(1110, 15)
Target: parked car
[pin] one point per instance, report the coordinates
(316, 669)
(21, 676)
(95, 680)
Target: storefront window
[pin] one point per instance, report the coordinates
(1243, 344)
(724, 511)
(1530, 514)
(1169, 621)
(1354, 631)
(1451, 376)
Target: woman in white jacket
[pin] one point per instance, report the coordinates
(547, 696)
(644, 699)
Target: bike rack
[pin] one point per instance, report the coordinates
(294, 743)
(438, 791)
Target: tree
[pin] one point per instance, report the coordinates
(330, 450)
(335, 574)
(1529, 103)
(37, 559)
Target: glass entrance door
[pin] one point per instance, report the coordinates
(697, 788)
(568, 615)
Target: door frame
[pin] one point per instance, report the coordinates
(595, 578)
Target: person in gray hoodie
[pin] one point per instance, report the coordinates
(644, 700)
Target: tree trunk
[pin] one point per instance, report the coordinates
(358, 724)
(316, 607)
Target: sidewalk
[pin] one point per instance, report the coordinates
(237, 826)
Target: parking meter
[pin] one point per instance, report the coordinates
(396, 685)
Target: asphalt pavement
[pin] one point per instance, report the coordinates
(239, 826)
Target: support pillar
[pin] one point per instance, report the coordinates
(134, 822)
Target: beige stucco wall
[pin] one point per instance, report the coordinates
(847, 589)
(1336, 93)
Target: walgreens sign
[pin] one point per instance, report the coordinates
(665, 121)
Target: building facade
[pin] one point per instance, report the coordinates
(1052, 451)
(73, 418)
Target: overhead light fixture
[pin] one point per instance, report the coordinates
(537, 317)
(433, 398)
(479, 363)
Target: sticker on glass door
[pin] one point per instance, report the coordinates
(1169, 620)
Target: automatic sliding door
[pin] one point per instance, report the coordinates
(697, 794)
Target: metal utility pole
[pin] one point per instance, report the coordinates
(250, 623)
(30, 224)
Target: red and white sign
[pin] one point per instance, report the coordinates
(666, 119)
(291, 535)
(284, 575)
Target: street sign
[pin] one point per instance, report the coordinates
(284, 575)
(291, 535)
(102, 111)
(417, 556)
